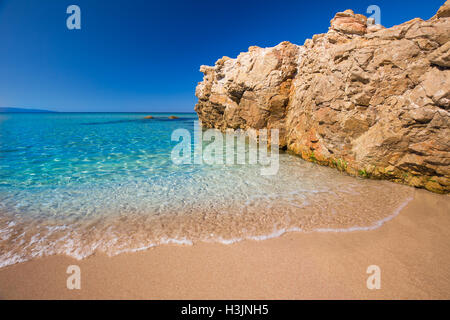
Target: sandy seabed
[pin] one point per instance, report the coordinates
(412, 251)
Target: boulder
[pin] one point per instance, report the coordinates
(441, 56)
(371, 101)
(444, 11)
(350, 23)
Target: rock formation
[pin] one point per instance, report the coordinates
(370, 101)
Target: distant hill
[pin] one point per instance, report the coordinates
(21, 110)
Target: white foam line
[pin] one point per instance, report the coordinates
(377, 225)
(227, 241)
(274, 234)
(278, 233)
(132, 250)
(13, 259)
(183, 241)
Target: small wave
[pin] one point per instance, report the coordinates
(375, 226)
(39, 244)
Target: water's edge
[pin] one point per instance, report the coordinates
(187, 242)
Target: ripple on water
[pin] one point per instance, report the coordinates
(77, 189)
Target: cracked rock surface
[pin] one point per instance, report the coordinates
(370, 101)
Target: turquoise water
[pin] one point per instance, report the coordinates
(80, 183)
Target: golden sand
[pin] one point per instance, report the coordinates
(412, 251)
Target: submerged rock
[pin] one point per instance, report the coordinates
(148, 117)
(371, 101)
(173, 117)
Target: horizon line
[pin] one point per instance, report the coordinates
(50, 111)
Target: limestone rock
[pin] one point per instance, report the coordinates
(349, 22)
(372, 27)
(444, 11)
(251, 91)
(370, 101)
(441, 56)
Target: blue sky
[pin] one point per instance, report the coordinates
(144, 55)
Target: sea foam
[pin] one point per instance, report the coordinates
(77, 184)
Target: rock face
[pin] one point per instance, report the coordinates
(349, 22)
(370, 101)
(444, 11)
(251, 91)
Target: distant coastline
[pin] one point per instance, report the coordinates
(24, 110)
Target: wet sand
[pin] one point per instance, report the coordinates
(412, 251)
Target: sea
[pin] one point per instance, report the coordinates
(77, 184)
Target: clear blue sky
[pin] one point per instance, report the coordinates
(144, 55)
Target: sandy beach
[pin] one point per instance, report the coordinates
(301, 152)
(412, 251)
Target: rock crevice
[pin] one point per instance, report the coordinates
(370, 101)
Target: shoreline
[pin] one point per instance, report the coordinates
(412, 251)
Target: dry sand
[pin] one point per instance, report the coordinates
(412, 250)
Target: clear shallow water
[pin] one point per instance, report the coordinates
(77, 184)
